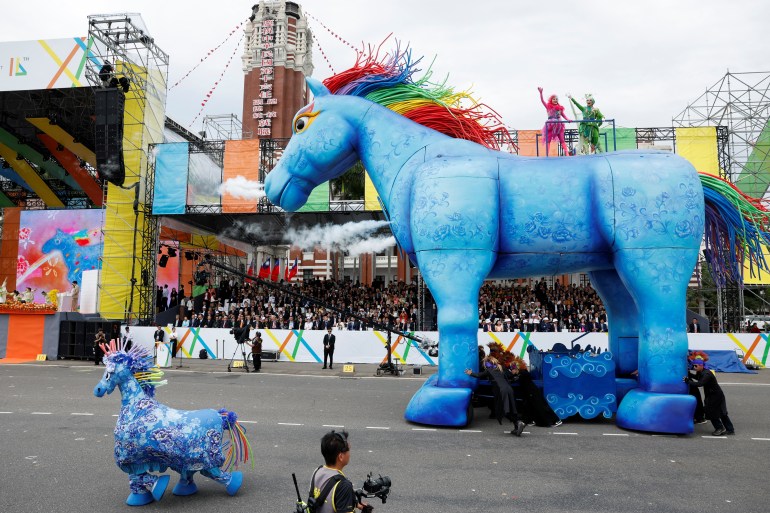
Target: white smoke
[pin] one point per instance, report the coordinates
(375, 245)
(242, 188)
(353, 238)
(239, 229)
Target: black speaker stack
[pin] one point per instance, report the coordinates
(76, 338)
(109, 104)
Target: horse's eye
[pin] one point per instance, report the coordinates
(108, 375)
(299, 125)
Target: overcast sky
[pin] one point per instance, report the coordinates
(644, 61)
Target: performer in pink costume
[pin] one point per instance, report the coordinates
(553, 131)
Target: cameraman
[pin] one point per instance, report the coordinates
(340, 499)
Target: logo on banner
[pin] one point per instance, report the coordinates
(16, 69)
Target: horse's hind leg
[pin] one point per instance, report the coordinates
(657, 280)
(454, 277)
(622, 318)
(231, 480)
(186, 485)
(145, 488)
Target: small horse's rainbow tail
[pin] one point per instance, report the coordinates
(238, 448)
(737, 229)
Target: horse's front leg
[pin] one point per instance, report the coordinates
(186, 485)
(454, 278)
(145, 488)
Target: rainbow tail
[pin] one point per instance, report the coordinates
(737, 229)
(238, 448)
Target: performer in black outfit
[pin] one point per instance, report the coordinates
(505, 404)
(714, 404)
(329, 340)
(536, 409)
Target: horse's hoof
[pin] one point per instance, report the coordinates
(440, 406)
(656, 412)
(159, 488)
(185, 487)
(236, 479)
(139, 499)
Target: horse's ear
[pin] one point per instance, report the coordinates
(316, 87)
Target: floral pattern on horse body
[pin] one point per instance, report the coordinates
(465, 212)
(151, 437)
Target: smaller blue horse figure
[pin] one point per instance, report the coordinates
(151, 437)
(77, 254)
(463, 212)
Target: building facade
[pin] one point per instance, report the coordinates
(276, 60)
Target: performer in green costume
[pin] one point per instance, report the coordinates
(589, 127)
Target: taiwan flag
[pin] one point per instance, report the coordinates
(291, 272)
(250, 272)
(264, 271)
(276, 272)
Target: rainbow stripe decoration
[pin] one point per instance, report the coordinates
(391, 83)
(736, 230)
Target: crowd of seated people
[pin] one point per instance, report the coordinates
(502, 307)
(360, 306)
(574, 308)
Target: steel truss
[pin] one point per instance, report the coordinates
(741, 103)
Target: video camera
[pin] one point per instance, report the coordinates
(378, 487)
(241, 334)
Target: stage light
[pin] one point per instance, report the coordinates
(113, 82)
(188, 255)
(19, 156)
(6, 165)
(172, 252)
(125, 84)
(163, 261)
(59, 147)
(105, 74)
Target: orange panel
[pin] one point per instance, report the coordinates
(25, 336)
(241, 160)
(9, 251)
(530, 141)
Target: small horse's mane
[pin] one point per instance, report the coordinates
(140, 362)
(390, 82)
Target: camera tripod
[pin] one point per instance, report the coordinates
(389, 367)
(242, 347)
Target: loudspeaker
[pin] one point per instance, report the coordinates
(162, 261)
(109, 104)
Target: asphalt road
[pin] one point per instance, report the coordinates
(56, 448)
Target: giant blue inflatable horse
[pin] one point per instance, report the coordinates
(463, 213)
(151, 437)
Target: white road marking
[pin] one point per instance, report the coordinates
(762, 439)
(289, 424)
(615, 434)
(86, 414)
(247, 421)
(377, 427)
(423, 429)
(564, 433)
(332, 425)
(40, 413)
(714, 437)
(470, 431)
(6, 412)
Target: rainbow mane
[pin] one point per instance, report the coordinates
(390, 82)
(737, 229)
(140, 361)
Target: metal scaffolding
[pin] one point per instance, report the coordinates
(140, 68)
(223, 127)
(741, 103)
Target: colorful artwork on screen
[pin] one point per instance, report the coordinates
(168, 273)
(55, 247)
